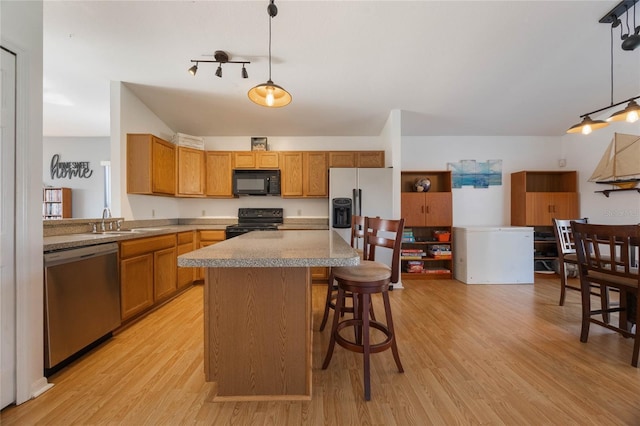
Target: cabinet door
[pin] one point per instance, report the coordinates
(412, 208)
(315, 177)
(165, 273)
(342, 159)
(186, 244)
(244, 160)
(370, 159)
(218, 175)
(438, 211)
(136, 285)
(565, 205)
(291, 175)
(267, 160)
(191, 171)
(163, 166)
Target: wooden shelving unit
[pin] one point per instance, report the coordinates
(537, 197)
(56, 203)
(427, 214)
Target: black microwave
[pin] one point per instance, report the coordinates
(256, 182)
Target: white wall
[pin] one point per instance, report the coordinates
(21, 24)
(490, 206)
(87, 194)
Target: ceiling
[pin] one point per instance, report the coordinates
(489, 68)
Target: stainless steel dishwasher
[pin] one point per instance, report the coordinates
(82, 299)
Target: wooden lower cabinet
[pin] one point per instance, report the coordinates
(186, 244)
(207, 238)
(148, 273)
(319, 273)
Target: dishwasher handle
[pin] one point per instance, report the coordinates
(71, 255)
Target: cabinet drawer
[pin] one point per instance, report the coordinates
(211, 235)
(185, 237)
(146, 245)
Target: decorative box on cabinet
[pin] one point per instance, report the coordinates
(537, 197)
(56, 203)
(151, 165)
(427, 249)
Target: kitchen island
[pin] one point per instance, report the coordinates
(257, 310)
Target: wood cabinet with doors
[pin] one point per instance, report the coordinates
(151, 165)
(219, 169)
(425, 254)
(255, 159)
(147, 273)
(56, 203)
(186, 242)
(537, 197)
(304, 174)
(207, 238)
(356, 159)
(190, 170)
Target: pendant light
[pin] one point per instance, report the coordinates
(270, 94)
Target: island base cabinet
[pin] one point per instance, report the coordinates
(258, 333)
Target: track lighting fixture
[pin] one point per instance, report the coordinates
(632, 110)
(220, 57)
(270, 94)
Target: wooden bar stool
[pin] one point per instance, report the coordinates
(370, 277)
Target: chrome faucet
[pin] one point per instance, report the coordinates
(106, 214)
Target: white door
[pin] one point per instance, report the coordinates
(7, 229)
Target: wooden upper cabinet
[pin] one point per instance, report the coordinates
(151, 165)
(315, 174)
(370, 159)
(356, 158)
(218, 174)
(255, 159)
(537, 197)
(291, 174)
(191, 172)
(342, 159)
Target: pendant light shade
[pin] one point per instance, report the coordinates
(270, 94)
(587, 126)
(630, 114)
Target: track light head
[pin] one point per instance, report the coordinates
(631, 42)
(194, 69)
(219, 71)
(244, 72)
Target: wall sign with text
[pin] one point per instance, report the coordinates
(70, 169)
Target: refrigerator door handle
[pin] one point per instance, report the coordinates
(354, 201)
(359, 202)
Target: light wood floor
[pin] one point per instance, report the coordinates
(485, 354)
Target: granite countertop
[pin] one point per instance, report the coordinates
(301, 248)
(141, 229)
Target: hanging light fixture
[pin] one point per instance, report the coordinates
(631, 112)
(270, 94)
(220, 57)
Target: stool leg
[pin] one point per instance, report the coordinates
(327, 303)
(334, 327)
(394, 347)
(366, 349)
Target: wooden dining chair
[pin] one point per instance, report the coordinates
(606, 257)
(566, 253)
(364, 280)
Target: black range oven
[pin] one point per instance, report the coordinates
(251, 219)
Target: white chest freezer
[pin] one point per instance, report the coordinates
(493, 255)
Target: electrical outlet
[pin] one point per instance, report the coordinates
(562, 162)
(204, 212)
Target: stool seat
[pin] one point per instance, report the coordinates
(366, 271)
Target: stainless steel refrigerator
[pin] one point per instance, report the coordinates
(371, 193)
